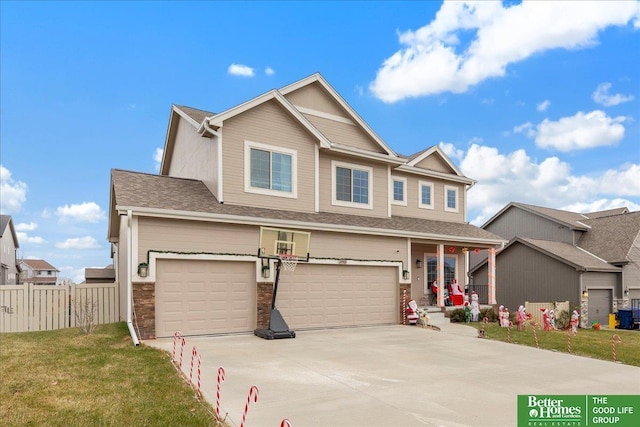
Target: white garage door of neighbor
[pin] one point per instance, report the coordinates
(322, 296)
(634, 294)
(205, 297)
(600, 305)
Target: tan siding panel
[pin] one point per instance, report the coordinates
(344, 133)
(435, 163)
(314, 97)
(437, 213)
(357, 246)
(267, 124)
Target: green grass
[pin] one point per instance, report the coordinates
(64, 378)
(589, 342)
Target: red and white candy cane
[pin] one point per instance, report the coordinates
(615, 340)
(183, 343)
(195, 356)
(285, 423)
(569, 340)
(220, 381)
(509, 331)
(404, 307)
(176, 337)
(253, 392)
(535, 334)
(484, 323)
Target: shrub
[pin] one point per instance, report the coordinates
(490, 314)
(563, 318)
(457, 316)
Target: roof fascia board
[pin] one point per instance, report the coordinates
(353, 151)
(317, 77)
(218, 119)
(435, 174)
(247, 220)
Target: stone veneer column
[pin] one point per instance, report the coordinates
(264, 294)
(144, 304)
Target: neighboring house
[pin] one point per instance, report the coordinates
(9, 246)
(38, 272)
(298, 160)
(100, 275)
(591, 260)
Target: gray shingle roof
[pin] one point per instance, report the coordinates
(194, 113)
(573, 219)
(611, 237)
(569, 254)
(134, 189)
(609, 212)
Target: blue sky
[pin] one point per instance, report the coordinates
(537, 101)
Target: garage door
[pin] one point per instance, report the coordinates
(600, 305)
(321, 296)
(205, 297)
(634, 294)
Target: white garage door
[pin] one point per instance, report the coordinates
(634, 294)
(205, 297)
(322, 296)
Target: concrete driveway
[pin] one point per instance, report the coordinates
(391, 376)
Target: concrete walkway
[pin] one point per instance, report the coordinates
(391, 376)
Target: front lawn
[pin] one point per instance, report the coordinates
(589, 342)
(65, 378)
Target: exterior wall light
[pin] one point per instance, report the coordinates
(418, 263)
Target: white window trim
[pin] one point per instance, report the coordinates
(428, 184)
(446, 199)
(402, 202)
(248, 145)
(335, 164)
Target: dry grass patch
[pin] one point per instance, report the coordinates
(63, 378)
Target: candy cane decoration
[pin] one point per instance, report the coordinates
(195, 356)
(484, 323)
(569, 340)
(253, 392)
(177, 336)
(182, 345)
(220, 381)
(285, 423)
(615, 340)
(404, 307)
(509, 331)
(535, 335)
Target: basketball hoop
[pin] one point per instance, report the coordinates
(289, 262)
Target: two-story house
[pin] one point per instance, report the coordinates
(297, 161)
(38, 272)
(591, 260)
(8, 248)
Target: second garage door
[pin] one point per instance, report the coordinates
(322, 296)
(600, 305)
(205, 297)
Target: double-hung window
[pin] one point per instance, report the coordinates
(450, 198)
(399, 191)
(425, 195)
(351, 185)
(270, 170)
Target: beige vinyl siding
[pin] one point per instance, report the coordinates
(438, 212)
(379, 180)
(314, 97)
(194, 157)
(344, 133)
(267, 124)
(379, 248)
(192, 237)
(434, 163)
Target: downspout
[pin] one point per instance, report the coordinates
(132, 331)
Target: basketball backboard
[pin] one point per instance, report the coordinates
(275, 242)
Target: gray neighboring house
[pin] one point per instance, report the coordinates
(591, 260)
(8, 245)
(100, 275)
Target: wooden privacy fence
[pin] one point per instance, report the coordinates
(29, 307)
(534, 308)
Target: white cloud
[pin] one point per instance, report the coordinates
(240, 70)
(85, 212)
(86, 242)
(451, 151)
(157, 157)
(433, 58)
(525, 128)
(543, 105)
(602, 205)
(601, 96)
(269, 71)
(14, 193)
(580, 131)
(514, 176)
(23, 226)
(24, 238)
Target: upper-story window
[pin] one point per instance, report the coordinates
(351, 185)
(399, 191)
(425, 195)
(450, 199)
(270, 170)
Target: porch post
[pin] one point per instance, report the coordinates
(440, 274)
(492, 275)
